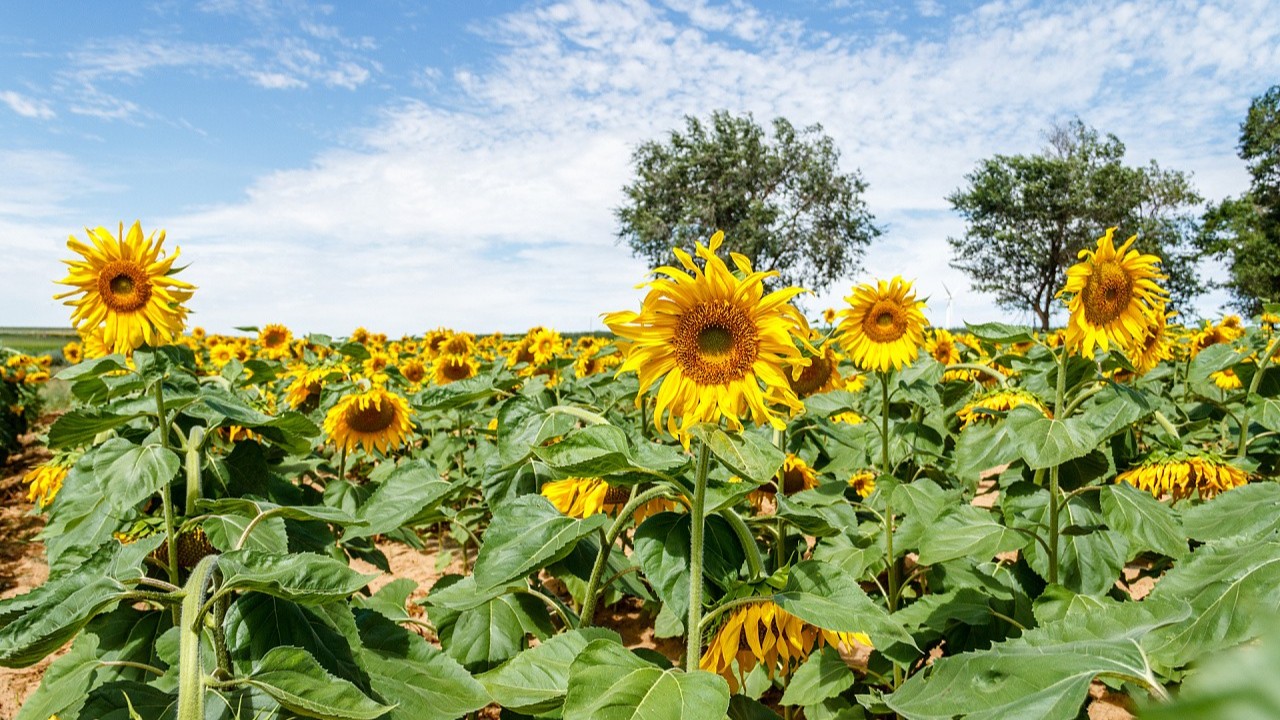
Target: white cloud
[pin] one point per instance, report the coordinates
(26, 106)
(494, 211)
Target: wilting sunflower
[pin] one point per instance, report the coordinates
(126, 287)
(583, 497)
(1227, 379)
(45, 480)
(1179, 475)
(452, 368)
(985, 408)
(764, 634)
(374, 418)
(1155, 346)
(712, 339)
(883, 326)
(1114, 296)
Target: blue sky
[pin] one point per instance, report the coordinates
(408, 165)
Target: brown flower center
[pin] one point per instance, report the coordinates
(1106, 293)
(372, 418)
(885, 322)
(716, 343)
(124, 286)
(812, 378)
(456, 369)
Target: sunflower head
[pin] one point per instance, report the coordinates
(1155, 346)
(716, 341)
(375, 418)
(1180, 475)
(820, 375)
(124, 285)
(452, 368)
(1114, 295)
(274, 340)
(883, 326)
(990, 407)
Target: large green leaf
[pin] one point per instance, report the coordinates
(593, 451)
(65, 683)
(130, 635)
(607, 682)
(536, 680)
(1232, 587)
(420, 680)
(490, 632)
(1044, 442)
(301, 577)
(1045, 674)
(268, 536)
(823, 676)
(995, 332)
(255, 623)
(662, 545)
(295, 680)
(970, 532)
(1090, 556)
(825, 596)
(251, 507)
(129, 700)
(82, 425)
(1238, 684)
(526, 534)
(403, 494)
(132, 473)
(746, 453)
(1248, 511)
(1147, 523)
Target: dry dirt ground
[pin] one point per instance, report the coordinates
(22, 568)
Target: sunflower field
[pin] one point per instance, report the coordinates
(852, 516)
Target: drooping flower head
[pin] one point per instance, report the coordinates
(126, 287)
(990, 406)
(1114, 297)
(375, 418)
(883, 326)
(1155, 346)
(716, 341)
(1180, 475)
(44, 481)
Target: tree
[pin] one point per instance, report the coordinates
(781, 201)
(1245, 231)
(1028, 216)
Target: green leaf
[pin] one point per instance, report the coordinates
(456, 394)
(268, 536)
(823, 676)
(65, 684)
(746, 454)
(970, 532)
(1043, 442)
(491, 632)
(1057, 603)
(82, 425)
(127, 700)
(390, 601)
(824, 596)
(1212, 359)
(295, 680)
(593, 451)
(1232, 586)
(1090, 557)
(1147, 523)
(1045, 674)
(981, 448)
(662, 545)
(1115, 409)
(407, 491)
(606, 682)
(1239, 684)
(536, 680)
(1267, 413)
(251, 508)
(129, 634)
(995, 332)
(255, 623)
(526, 534)
(131, 473)
(423, 682)
(301, 577)
(1247, 511)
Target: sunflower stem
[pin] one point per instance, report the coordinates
(1059, 399)
(193, 468)
(885, 471)
(166, 492)
(693, 649)
(342, 464)
(779, 480)
(1263, 361)
(591, 597)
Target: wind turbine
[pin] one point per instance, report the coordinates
(948, 323)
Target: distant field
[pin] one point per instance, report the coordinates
(36, 341)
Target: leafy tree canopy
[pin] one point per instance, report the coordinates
(782, 201)
(1028, 217)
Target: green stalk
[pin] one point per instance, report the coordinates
(779, 483)
(607, 540)
(190, 671)
(1059, 398)
(755, 565)
(1263, 362)
(166, 494)
(885, 471)
(693, 650)
(194, 441)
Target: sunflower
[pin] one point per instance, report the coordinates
(544, 344)
(712, 339)
(458, 344)
(942, 346)
(374, 418)
(883, 326)
(796, 475)
(985, 408)
(306, 383)
(126, 286)
(93, 343)
(847, 417)
(274, 340)
(1227, 379)
(820, 375)
(578, 497)
(761, 633)
(413, 370)
(1155, 346)
(45, 480)
(863, 483)
(1179, 475)
(73, 352)
(222, 353)
(1114, 296)
(451, 368)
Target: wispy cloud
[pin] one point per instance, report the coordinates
(27, 107)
